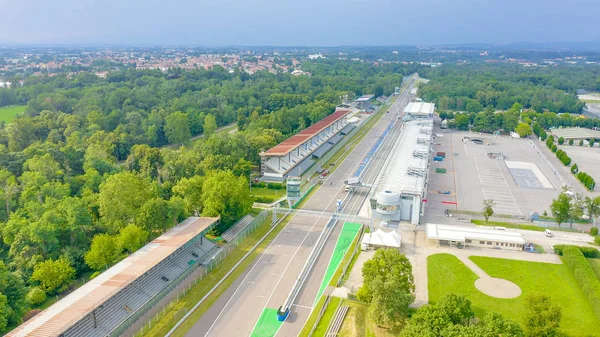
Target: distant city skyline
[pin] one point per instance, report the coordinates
(297, 23)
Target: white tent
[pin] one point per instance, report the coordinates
(379, 238)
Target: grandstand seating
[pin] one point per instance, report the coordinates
(234, 230)
(131, 298)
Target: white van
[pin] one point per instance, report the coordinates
(548, 233)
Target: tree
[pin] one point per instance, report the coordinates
(155, 215)
(523, 130)
(36, 296)
(592, 142)
(226, 195)
(571, 141)
(384, 265)
(561, 140)
(488, 210)
(542, 316)
(190, 189)
(8, 188)
(462, 122)
(121, 197)
(452, 316)
(103, 252)
(210, 125)
(592, 208)
(560, 207)
(581, 142)
(390, 301)
(574, 169)
(54, 275)
(5, 312)
(177, 128)
(131, 238)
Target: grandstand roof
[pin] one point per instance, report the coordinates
(301, 137)
(75, 306)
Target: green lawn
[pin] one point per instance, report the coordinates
(8, 113)
(521, 226)
(267, 193)
(447, 274)
(595, 263)
(355, 322)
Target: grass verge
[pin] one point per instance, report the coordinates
(185, 303)
(447, 274)
(521, 226)
(323, 324)
(355, 322)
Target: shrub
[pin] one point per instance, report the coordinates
(570, 141)
(584, 274)
(588, 252)
(543, 135)
(36, 296)
(581, 142)
(586, 180)
(561, 141)
(597, 240)
(554, 147)
(574, 169)
(594, 231)
(592, 142)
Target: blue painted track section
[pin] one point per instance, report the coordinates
(365, 161)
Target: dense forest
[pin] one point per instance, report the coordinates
(473, 87)
(84, 180)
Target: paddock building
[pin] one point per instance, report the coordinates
(297, 154)
(575, 133)
(452, 235)
(419, 110)
(401, 185)
(112, 301)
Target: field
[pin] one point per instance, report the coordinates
(8, 113)
(448, 275)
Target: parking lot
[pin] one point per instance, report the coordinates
(507, 170)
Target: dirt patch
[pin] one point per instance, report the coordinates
(497, 287)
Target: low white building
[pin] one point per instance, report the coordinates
(474, 237)
(381, 239)
(419, 110)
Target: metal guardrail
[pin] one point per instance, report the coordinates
(315, 253)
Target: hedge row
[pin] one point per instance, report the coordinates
(585, 276)
(271, 186)
(589, 252)
(586, 180)
(563, 157)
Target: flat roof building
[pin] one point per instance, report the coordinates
(102, 304)
(419, 110)
(400, 186)
(576, 133)
(474, 237)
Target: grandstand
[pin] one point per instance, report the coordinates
(102, 306)
(297, 154)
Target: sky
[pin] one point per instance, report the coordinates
(297, 22)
